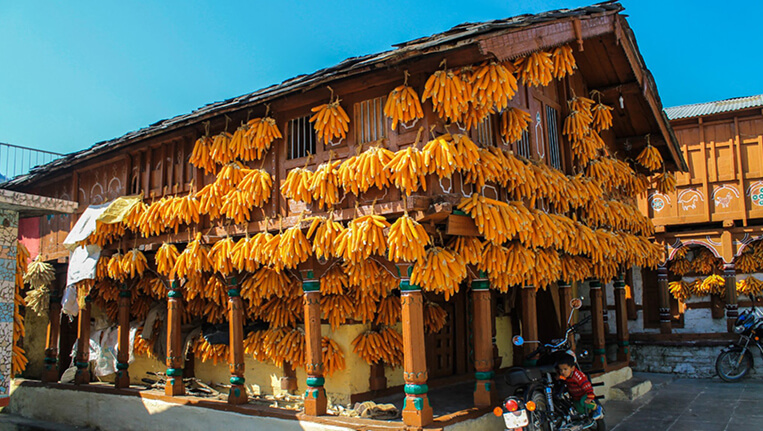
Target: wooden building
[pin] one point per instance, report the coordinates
(713, 217)
(539, 171)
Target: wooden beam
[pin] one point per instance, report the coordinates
(461, 225)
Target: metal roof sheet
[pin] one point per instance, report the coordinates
(717, 107)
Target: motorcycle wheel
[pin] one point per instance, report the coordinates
(730, 368)
(539, 418)
(600, 425)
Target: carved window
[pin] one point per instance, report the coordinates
(301, 137)
(552, 129)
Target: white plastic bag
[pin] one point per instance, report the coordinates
(69, 301)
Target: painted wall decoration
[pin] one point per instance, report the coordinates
(755, 192)
(658, 201)
(724, 195)
(690, 199)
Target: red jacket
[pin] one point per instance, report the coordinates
(579, 386)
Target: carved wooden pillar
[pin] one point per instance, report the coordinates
(597, 325)
(82, 360)
(416, 410)
(732, 312)
(621, 315)
(664, 292)
(485, 392)
(174, 385)
(315, 396)
(529, 322)
(237, 394)
(123, 351)
(565, 296)
(50, 371)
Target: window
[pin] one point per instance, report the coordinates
(301, 138)
(485, 134)
(369, 119)
(552, 128)
(523, 146)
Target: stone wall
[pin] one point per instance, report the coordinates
(684, 361)
(9, 221)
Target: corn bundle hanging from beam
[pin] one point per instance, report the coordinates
(281, 312)
(385, 345)
(403, 105)
(211, 199)
(193, 260)
(746, 263)
(297, 185)
(574, 268)
(468, 247)
(650, 158)
(241, 145)
(496, 221)
(293, 247)
(546, 270)
(564, 61)
(711, 285)
(680, 290)
(324, 184)
(389, 311)
(364, 274)
(449, 94)
(750, 286)
(211, 352)
(115, 270)
(665, 182)
(337, 309)
(152, 287)
(407, 240)
(435, 317)
(365, 304)
(201, 156)
(133, 263)
(366, 170)
(334, 281)
(363, 237)
(258, 183)
(705, 262)
(131, 220)
(514, 122)
(262, 132)
(681, 266)
(408, 170)
(331, 121)
(332, 355)
(601, 114)
(265, 284)
(220, 256)
(221, 151)
(325, 232)
(165, 258)
(535, 69)
(441, 271)
(494, 85)
(441, 157)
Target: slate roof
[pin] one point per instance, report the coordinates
(717, 107)
(355, 65)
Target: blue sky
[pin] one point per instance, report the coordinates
(75, 73)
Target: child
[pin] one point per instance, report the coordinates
(578, 386)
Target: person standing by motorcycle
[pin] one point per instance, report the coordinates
(579, 387)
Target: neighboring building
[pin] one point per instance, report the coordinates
(715, 215)
(154, 162)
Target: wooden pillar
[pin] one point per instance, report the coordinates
(597, 325)
(315, 396)
(485, 392)
(289, 379)
(50, 370)
(378, 380)
(237, 393)
(123, 350)
(82, 360)
(664, 292)
(621, 317)
(604, 309)
(529, 322)
(174, 385)
(416, 409)
(732, 312)
(565, 296)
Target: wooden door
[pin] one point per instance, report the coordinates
(440, 346)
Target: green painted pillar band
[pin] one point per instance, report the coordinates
(595, 284)
(412, 389)
(175, 294)
(122, 366)
(311, 286)
(235, 380)
(234, 292)
(125, 294)
(233, 281)
(459, 212)
(480, 284)
(484, 375)
(316, 382)
(174, 285)
(623, 343)
(599, 351)
(406, 286)
(50, 360)
(81, 364)
(174, 372)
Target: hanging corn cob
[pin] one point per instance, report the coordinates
(294, 248)
(705, 262)
(665, 182)
(601, 114)
(746, 263)
(574, 268)
(297, 185)
(193, 260)
(237, 205)
(334, 281)
(241, 255)
(564, 62)
(750, 286)
(363, 237)
(337, 309)
(332, 355)
(435, 317)
(408, 170)
(407, 240)
(325, 233)
(324, 184)
(494, 85)
(514, 122)
(131, 220)
(230, 176)
(364, 274)
(650, 158)
(201, 156)
(221, 151)
(365, 304)
(373, 346)
(115, 270)
(680, 290)
(241, 145)
(359, 173)
(389, 311)
(262, 132)
(258, 183)
(133, 263)
(536, 69)
(449, 94)
(210, 352)
(281, 312)
(403, 105)
(331, 121)
(165, 258)
(220, 256)
(441, 271)
(210, 200)
(468, 247)
(711, 285)
(496, 221)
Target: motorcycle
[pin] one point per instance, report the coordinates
(735, 361)
(540, 401)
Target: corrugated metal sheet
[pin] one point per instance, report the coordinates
(449, 39)
(717, 107)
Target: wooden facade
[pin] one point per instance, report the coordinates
(154, 162)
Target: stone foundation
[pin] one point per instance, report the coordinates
(684, 361)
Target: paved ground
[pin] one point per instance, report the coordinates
(691, 404)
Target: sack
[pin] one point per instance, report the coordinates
(69, 301)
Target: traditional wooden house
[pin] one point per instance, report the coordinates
(710, 226)
(353, 238)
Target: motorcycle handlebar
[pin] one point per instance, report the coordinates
(582, 322)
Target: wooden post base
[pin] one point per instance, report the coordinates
(416, 411)
(485, 392)
(50, 370)
(378, 380)
(82, 375)
(123, 377)
(288, 383)
(237, 394)
(174, 386)
(316, 402)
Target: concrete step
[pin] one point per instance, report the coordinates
(629, 390)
